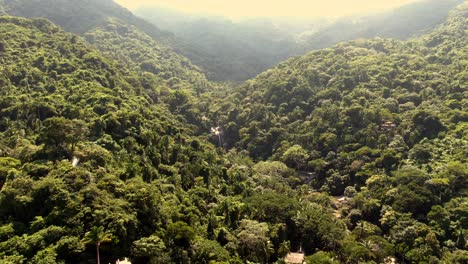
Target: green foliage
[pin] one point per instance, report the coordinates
(97, 236)
(318, 228)
(295, 157)
(208, 251)
(137, 51)
(254, 243)
(321, 257)
(180, 233)
(116, 136)
(150, 248)
(81, 147)
(271, 207)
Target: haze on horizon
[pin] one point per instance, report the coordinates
(268, 8)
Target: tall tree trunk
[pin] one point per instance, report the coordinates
(97, 250)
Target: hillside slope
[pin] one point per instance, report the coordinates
(379, 98)
(365, 73)
(62, 101)
(118, 34)
(382, 122)
(227, 50)
(138, 52)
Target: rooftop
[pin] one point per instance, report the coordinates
(294, 258)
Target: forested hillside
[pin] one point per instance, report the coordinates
(139, 46)
(383, 121)
(388, 77)
(84, 145)
(138, 52)
(352, 154)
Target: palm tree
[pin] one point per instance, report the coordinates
(97, 236)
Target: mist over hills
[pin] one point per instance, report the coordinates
(229, 50)
(238, 50)
(401, 23)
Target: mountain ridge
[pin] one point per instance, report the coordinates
(88, 18)
(239, 50)
(72, 19)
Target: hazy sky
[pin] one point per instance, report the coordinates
(303, 8)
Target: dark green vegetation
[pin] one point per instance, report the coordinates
(61, 100)
(105, 147)
(156, 67)
(240, 50)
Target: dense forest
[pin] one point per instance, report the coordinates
(113, 145)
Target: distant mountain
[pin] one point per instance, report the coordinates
(231, 51)
(228, 50)
(401, 23)
(239, 50)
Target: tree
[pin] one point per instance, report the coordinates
(7, 166)
(411, 195)
(272, 207)
(150, 250)
(354, 251)
(421, 153)
(59, 132)
(389, 160)
(295, 157)
(317, 228)
(208, 251)
(426, 124)
(254, 243)
(328, 142)
(97, 236)
(180, 233)
(321, 257)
